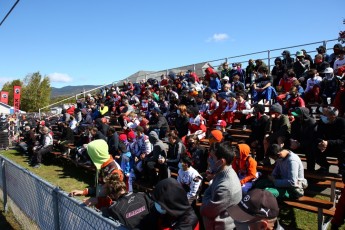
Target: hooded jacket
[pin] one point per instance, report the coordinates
(158, 147)
(245, 164)
(172, 197)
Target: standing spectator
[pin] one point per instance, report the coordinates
(334, 55)
(225, 190)
(340, 61)
(250, 73)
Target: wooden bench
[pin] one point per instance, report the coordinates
(324, 209)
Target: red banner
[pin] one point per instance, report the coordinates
(4, 97)
(16, 98)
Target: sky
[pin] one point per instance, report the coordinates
(95, 42)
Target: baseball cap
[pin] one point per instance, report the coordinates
(257, 203)
(328, 70)
(299, 54)
(217, 135)
(226, 78)
(123, 137)
(221, 123)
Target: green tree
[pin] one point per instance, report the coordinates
(36, 92)
(8, 87)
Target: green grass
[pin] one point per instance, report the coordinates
(62, 173)
(7, 220)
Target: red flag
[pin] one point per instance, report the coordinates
(16, 97)
(4, 97)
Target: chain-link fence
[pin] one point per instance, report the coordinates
(46, 205)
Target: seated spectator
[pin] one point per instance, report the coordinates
(181, 121)
(134, 216)
(226, 70)
(239, 110)
(287, 179)
(158, 123)
(198, 153)
(124, 112)
(67, 137)
(329, 86)
(217, 112)
(262, 87)
(189, 178)
(105, 167)
(104, 110)
(260, 126)
(301, 65)
(45, 146)
(143, 148)
(312, 91)
(237, 85)
(285, 85)
(278, 71)
(197, 124)
(303, 131)
(225, 190)
(221, 126)
(176, 149)
(330, 137)
(257, 210)
(27, 140)
(215, 136)
(170, 201)
(294, 101)
(245, 167)
(155, 159)
(95, 134)
(340, 61)
(127, 163)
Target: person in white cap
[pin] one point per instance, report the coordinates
(329, 86)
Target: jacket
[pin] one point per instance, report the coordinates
(158, 147)
(224, 192)
(245, 164)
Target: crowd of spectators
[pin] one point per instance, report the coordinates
(164, 123)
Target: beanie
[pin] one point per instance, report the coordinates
(98, 152)
(131, 135)
(217, 134)
(276, 108)
(123, 137)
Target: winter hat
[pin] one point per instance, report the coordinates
(276, 108)
(98, 152)
(131, 135)
(217, 135)
(123, 137)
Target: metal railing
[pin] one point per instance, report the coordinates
(47, 205)
(266, 56)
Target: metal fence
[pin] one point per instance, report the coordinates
(45, 204)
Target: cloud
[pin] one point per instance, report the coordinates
(59, 77)
(218, 37)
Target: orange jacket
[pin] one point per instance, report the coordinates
(245, 165)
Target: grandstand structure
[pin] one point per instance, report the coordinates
(266, 56)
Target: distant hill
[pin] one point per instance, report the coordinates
(70, 90)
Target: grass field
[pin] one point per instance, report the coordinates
(67, 176)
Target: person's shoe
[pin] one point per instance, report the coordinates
(229, 127)
(36, 166)
(244, 127)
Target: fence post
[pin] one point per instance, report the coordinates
(39, 114)
(4, 186)
(325, 44)
(56, 209)
(269, 60)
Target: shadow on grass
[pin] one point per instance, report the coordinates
(287, 217)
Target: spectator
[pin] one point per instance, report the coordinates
(215, 136)
(198, 153)
(257, 210)
(46, 146)
(330, 138)
(124, 112)
(301, 65)
(134, 216)
(287, 59)
(113, 141)
(105, 167)
(307, 57)
(260, 126)
(245, 167)
(176, 149)
(294, 101)
(334, 55)
(158, 123)
(225, 190)
(181, 121)
(172, 205)
(221, 126)
(262, 87)
(250, 73)
(278, 71)
(215, 84)
(322, 50)
(67, 137)
(312, 91)
(154, 158)
(95, 134)
(340, 61)
(329, 86)
(226, 70)
(189, 178)
(303, 131)
(240, 110)
(127, 163)
(217, 112)
(287, 179)
(144, 148)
